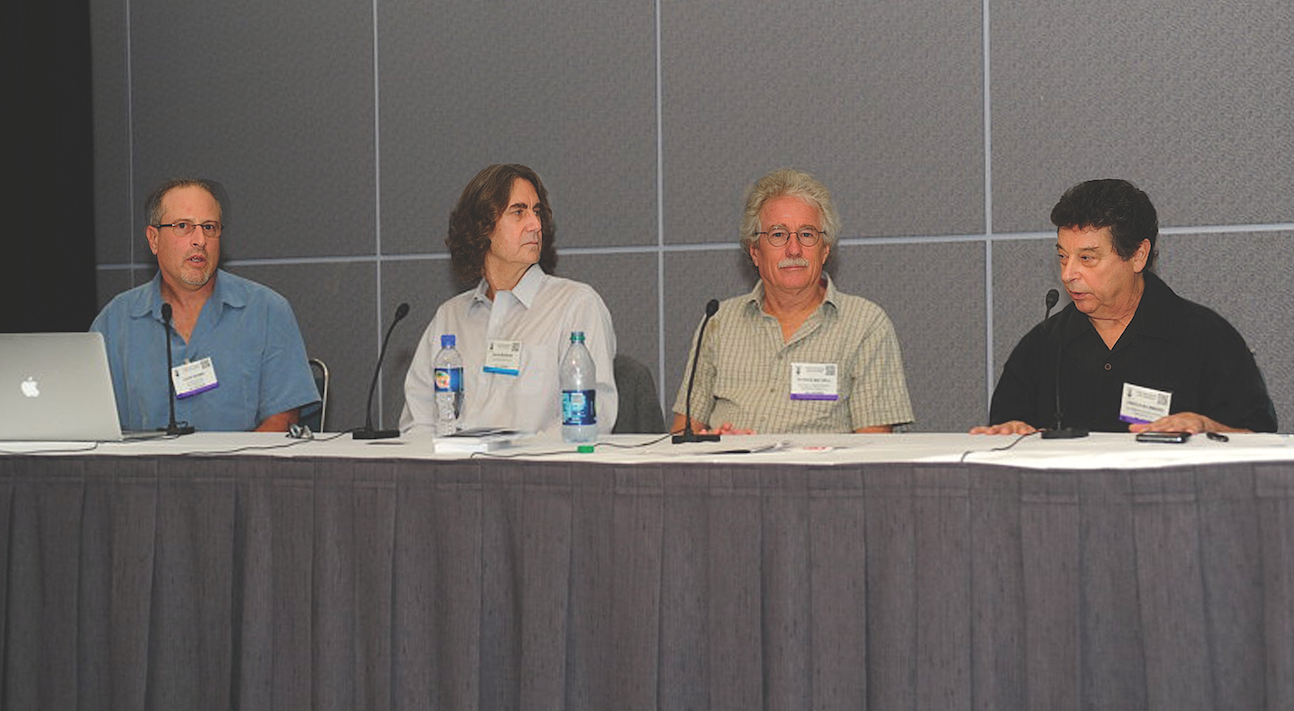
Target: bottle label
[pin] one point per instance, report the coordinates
(578, 407)
(449, 380)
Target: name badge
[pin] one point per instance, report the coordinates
(1144, 404)
(193, 378)
(503, 357)
(814, 381)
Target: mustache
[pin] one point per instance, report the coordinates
(793, 262)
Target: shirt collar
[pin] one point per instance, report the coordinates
(755, 299)
(528, 288)
(832, 297)
(480, 295)
(226, 292)
(1155, 315)
(525, 291)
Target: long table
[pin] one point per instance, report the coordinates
(863, 572)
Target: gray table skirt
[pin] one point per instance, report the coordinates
(260, 583)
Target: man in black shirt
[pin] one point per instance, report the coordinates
(1131, 355)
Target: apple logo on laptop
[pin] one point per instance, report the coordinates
(30, 387)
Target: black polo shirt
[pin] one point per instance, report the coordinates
(1171, 344)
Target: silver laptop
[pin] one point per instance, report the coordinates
(56, 387)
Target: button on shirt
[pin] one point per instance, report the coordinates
(1171, 344)
(744, 371)
(540, 312)
(247, 330)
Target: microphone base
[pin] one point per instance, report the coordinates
(176, 430)
(375, 434)
(694, 437)
(1064, 433)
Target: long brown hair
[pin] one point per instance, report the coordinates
(478, 211)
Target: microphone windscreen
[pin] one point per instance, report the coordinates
(402, 310)
(1052, 297)
(712, 307)
(166, 311)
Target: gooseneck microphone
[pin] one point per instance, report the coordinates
(1058, 431)
(172, 428)
(368, 432)
(688, 435)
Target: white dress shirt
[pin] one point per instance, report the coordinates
(539, 312)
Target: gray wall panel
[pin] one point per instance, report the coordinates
(273, 100)
(1237, 278)
(312, 116)
(424, 284)
(628, 286)
(567, 89)
(691, 280)
(116, 234)
(934, 295)
(1023, 271)
(334, 307)
(109, 283)
(883, 101)
(1192, 102)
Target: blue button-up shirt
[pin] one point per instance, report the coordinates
(247, 330)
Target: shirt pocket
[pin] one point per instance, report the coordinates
(234, 403)
(538, 376)
(821, 415)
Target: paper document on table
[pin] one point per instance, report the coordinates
(736, 445)
(753, 449)
(478, 439)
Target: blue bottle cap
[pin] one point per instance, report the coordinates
(577, 336)
(447, 341)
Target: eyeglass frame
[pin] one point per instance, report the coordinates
(218, 228)
(799, 236)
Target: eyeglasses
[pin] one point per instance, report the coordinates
(778, 236)
(184, 229)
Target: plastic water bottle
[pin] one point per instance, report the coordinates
(449, 386)
(579, 380)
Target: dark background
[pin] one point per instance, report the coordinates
(49, 267)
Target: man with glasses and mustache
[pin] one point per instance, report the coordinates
(795, 355)
(240, 361)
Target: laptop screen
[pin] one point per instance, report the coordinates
(56, 387)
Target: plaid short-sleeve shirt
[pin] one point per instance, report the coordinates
(744, 370)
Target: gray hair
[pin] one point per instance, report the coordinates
(788, 182)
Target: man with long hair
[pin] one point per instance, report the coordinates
(501, 241)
